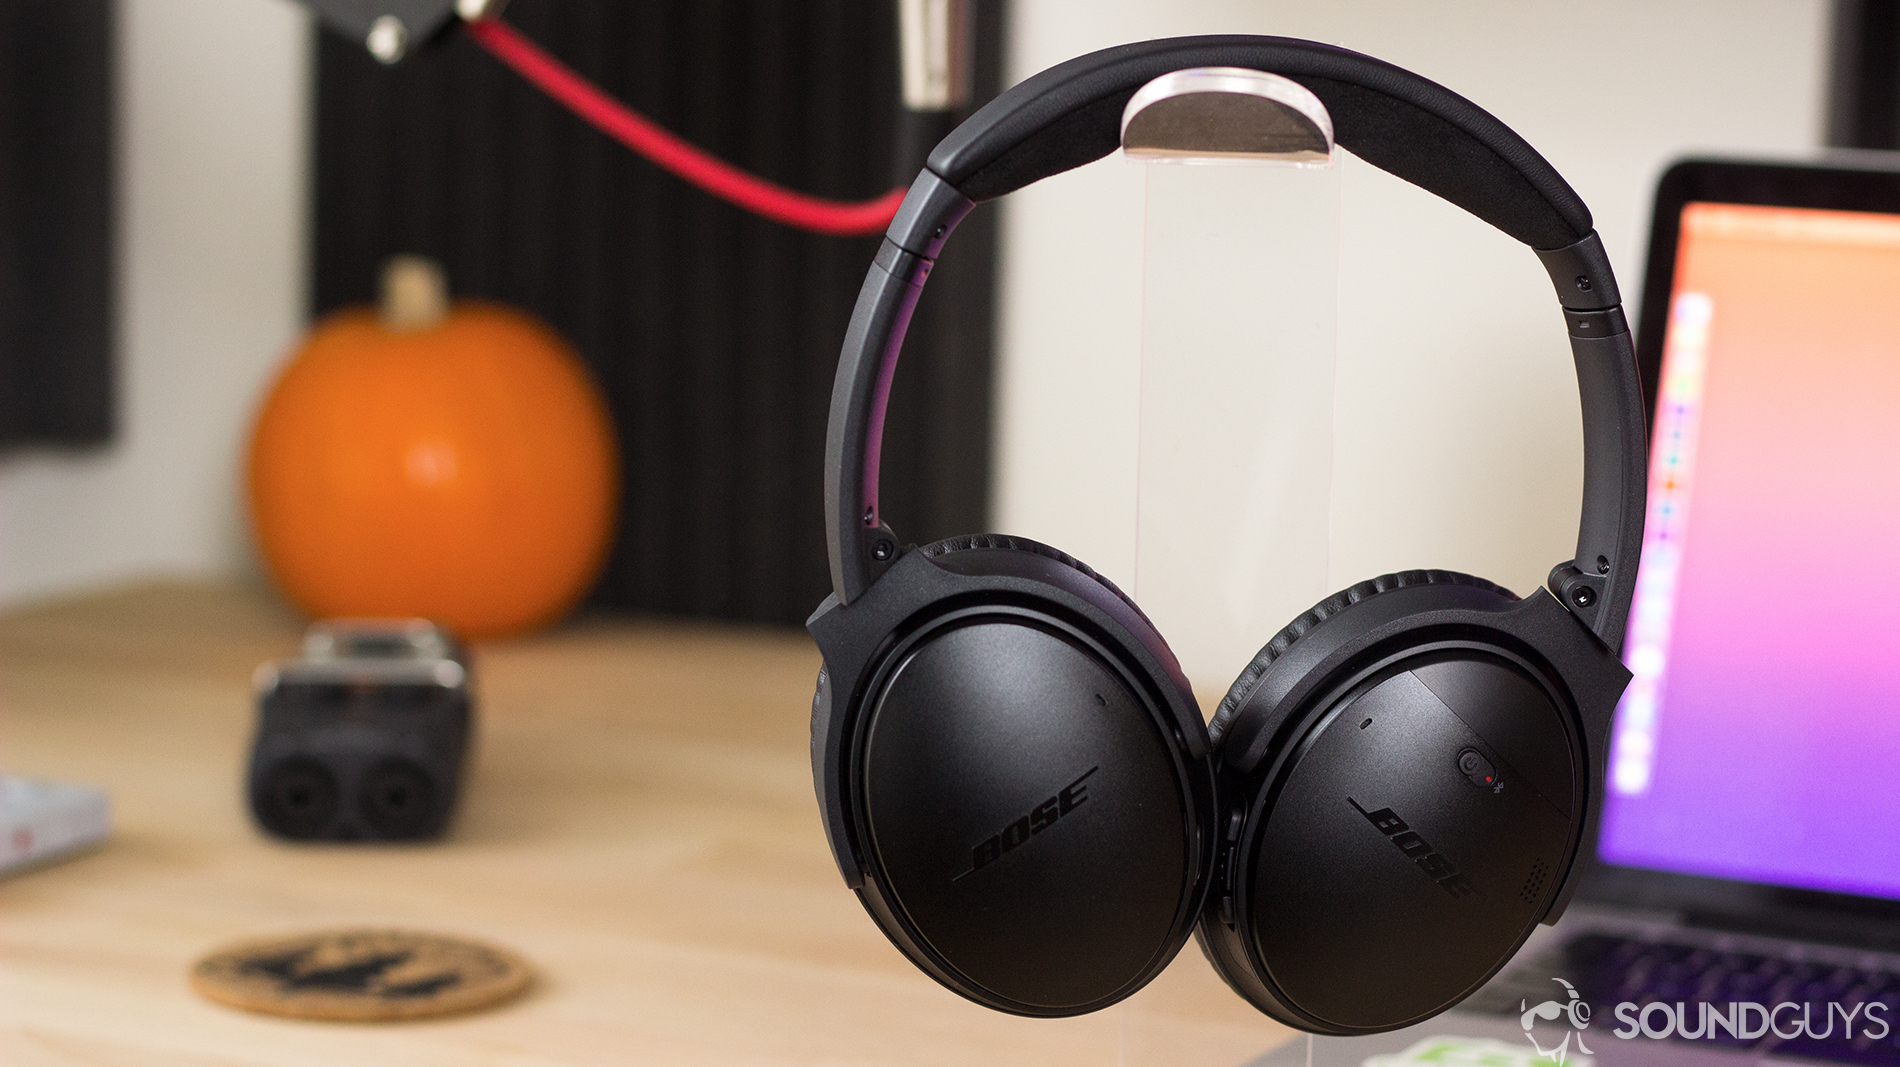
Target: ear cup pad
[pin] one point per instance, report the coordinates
(979, 542)
(1116, 601)
(1291, 633)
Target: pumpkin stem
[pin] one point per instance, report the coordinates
(415, 293)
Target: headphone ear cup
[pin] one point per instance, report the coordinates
(1402, 776)
(1027, 777)
(1100, 588)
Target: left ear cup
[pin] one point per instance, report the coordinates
(1023, 776)
(1401, 773)
(951, 549)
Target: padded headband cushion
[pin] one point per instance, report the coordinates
(1290, 634)
(1409, 126)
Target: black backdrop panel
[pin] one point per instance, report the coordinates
(714, 334)
(56, 283)
(1864, 75)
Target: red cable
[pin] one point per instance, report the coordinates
(641, 134)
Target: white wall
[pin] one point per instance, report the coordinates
(212, 142)
(1457, 441)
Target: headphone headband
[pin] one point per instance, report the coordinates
(1413, 128)
(1408, 126)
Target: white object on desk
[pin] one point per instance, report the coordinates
(41, 821)
(1475, 1052)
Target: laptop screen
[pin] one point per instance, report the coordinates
(1760, 739)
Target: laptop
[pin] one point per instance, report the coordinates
(1744, 902)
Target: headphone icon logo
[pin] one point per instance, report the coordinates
(1576, 1012)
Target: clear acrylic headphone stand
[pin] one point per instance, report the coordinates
(1239, 333)
(1239, 324)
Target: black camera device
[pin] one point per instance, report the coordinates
(363, 736)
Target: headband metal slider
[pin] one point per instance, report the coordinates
(1227, 114)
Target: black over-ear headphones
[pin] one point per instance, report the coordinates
(1013, 772)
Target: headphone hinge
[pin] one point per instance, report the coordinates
(1581, 594)
(1581, 272)
(931, 209)
(881, 548)
(1593, 323)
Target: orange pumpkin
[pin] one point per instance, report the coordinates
(454, 464)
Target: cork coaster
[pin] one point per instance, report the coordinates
(360, 976)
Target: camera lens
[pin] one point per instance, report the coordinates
(298, 798)
(398, 800)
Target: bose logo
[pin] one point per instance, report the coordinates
(1429, 860)
(1042, 817)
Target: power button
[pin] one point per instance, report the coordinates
(1473, 765)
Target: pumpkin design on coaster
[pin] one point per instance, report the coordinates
(360, 976)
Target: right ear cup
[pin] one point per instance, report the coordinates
(1290, 635)
(1401, 773)
(1014, 774)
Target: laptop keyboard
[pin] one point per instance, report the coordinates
(1609, 970)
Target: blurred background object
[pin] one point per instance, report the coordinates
(389, 29)
(714, 333)
(450, 463)
(267, 171)
(1863, 104)
(364, 735)
(204, 108)
(41, 822)
(56, 221)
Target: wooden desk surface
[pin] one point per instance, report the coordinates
(639, 823)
